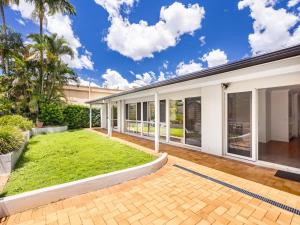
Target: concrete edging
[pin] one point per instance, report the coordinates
(47, 130)
(14, 204)
(9, 160)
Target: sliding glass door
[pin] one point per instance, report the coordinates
(176, 121)
(193, 121)
(115, 116)
(239, 118)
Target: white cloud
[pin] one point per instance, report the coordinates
(183, 69)
(293, 3)
(113, 6)
(273, 28)
(83, 82)
(62, 25)
(215, 58)
(140, 40)
(166, 64)
(144, 79)
(202, 40)
(113, 79)
(21, 22)
(161, 76)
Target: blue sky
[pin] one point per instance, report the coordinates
(115, 49)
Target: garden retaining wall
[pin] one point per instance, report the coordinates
(9, 160)
(47, 130)
(29, 200)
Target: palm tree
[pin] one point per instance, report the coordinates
(50, 7)
(58, 74)
(4, 3)
(53, 6)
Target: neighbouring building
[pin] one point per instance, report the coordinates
(247, 110)
(81, 94)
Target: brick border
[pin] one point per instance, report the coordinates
(29, 200)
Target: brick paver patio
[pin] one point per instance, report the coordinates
(170, 196)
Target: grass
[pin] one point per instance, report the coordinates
(63, 157)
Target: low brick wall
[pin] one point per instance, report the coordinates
(29, 200)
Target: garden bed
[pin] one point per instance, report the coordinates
(69, 156)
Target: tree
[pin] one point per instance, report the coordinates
(3, 4)
(39, 13)
(59, 74)
(53, 6)
(21, 89)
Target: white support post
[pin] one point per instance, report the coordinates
(142, 119)
(91, 116)
(167, 120)
(103, 116)
(254, 124)
(122, 116)
(157, 119)
(119, 106)
(109, 121)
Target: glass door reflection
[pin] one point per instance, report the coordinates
(239, 124)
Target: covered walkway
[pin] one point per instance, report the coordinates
(251, 172)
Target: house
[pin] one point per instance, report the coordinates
(247, 110)
(79, 94)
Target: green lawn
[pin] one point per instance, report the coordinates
(62, 157)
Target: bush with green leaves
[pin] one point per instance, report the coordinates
(77, 116)
(52, 114)
(17, 121)
(11, 139)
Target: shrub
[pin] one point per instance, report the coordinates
(11, 139)
(17, 121)
(52, 114)
(77, 116)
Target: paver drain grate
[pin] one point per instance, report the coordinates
(241, 190)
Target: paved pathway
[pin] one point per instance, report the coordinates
(244, 170)
(170, 196)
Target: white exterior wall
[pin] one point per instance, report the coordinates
(280, 115)
(212, 119)
(271, 75)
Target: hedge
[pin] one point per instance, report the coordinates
(52, 114)
(75, 116)
(17, 121)
(11, 139)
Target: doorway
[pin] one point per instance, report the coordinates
(239, 124)
(278, 125)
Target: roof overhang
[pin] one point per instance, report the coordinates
(241, 64)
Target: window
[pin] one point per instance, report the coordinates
(176, 120)
(193, 121)
(126, 112)
(151, 111)
(139, 111)
(114, 116)
(239, 123)
(145, 111)
(162, 109)
(132, 111)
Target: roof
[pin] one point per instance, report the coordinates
(244, 63)
(93, 88)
